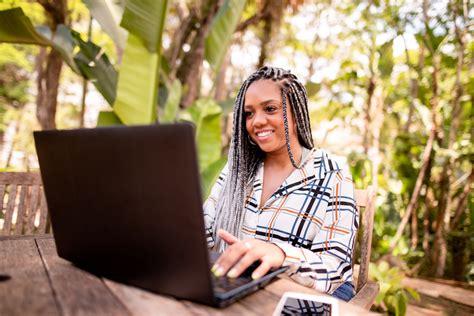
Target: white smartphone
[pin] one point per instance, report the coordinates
(293, 303)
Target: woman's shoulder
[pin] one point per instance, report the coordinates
(328, 161)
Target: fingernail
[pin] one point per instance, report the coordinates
(214, 268)
(232, 273)
(256, 276)
(219, 272)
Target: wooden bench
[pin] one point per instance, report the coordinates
(366, 290)
(24, 210)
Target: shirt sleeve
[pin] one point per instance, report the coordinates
(210, 207)
(328, 262)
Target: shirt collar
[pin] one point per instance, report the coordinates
(315, 164)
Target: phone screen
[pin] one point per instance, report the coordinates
(294, 306)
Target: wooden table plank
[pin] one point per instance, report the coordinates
(27, 291)
(261, 302)
(233, 309)
(142, 302)
(77, 292)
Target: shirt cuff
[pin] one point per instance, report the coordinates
(293, 256)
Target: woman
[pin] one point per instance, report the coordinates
(279, 200)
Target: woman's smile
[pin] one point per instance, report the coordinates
(262, 135)
(264, 118)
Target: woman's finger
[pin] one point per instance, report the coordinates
(230, 257)
(262, 269)
(227, 237)
(250, 257)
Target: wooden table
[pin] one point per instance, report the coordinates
(35, 281)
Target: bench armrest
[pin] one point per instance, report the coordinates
(366, 296)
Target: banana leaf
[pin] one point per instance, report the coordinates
(109, 13)
(16, 28)
(95, 66)
(145, 19)
(137, 89)
(90, 62)
(206, 115)
(107, 118)
(222, 28)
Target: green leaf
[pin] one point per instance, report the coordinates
(392, 304)
(137, 88)
(206, 115)
(145, 19)
(425, 114)
(413, 293)
(222, 29)
(137, 84)
(171, 107)
(210, 174)
(64, 43)
(109, 13)
(107, 118)
(386, 63)
(312, 88)
(16, 27)
(95, 66)
(402, 303)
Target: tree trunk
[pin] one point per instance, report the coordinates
(221, 91)
(414, 231)
(367, 139)
(431, 138)
(462, 204)
(189, 72)
(264, 41)
(429, 205)
(46, 109)
(181, 36)
(272, 22)
(444, 209)
(48, 78)
(378, 118)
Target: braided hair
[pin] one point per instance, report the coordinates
(245, 157)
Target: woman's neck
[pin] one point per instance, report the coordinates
(282, 159)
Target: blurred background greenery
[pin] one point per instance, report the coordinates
(390, 87)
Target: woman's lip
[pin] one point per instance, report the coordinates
(265, 134)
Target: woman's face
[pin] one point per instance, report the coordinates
(263, 112)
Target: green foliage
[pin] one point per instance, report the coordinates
(17, 28)
(393, 296)
(222, 29)
(88, 61)
(169, 111)
(109, 14)
(107, 118)
(145, 20)
(96, 67)
(206, 115)
(137, 91)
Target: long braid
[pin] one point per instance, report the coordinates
(245, 158)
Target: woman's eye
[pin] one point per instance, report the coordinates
(270, 109)
(247, 114)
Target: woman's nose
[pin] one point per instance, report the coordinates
(259, 119)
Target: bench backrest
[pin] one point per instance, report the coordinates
(365, 199)
(24, 209)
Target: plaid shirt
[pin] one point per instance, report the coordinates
(312, 217)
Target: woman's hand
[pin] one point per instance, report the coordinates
(242, 253)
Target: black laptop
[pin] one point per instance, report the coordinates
(125, 203)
